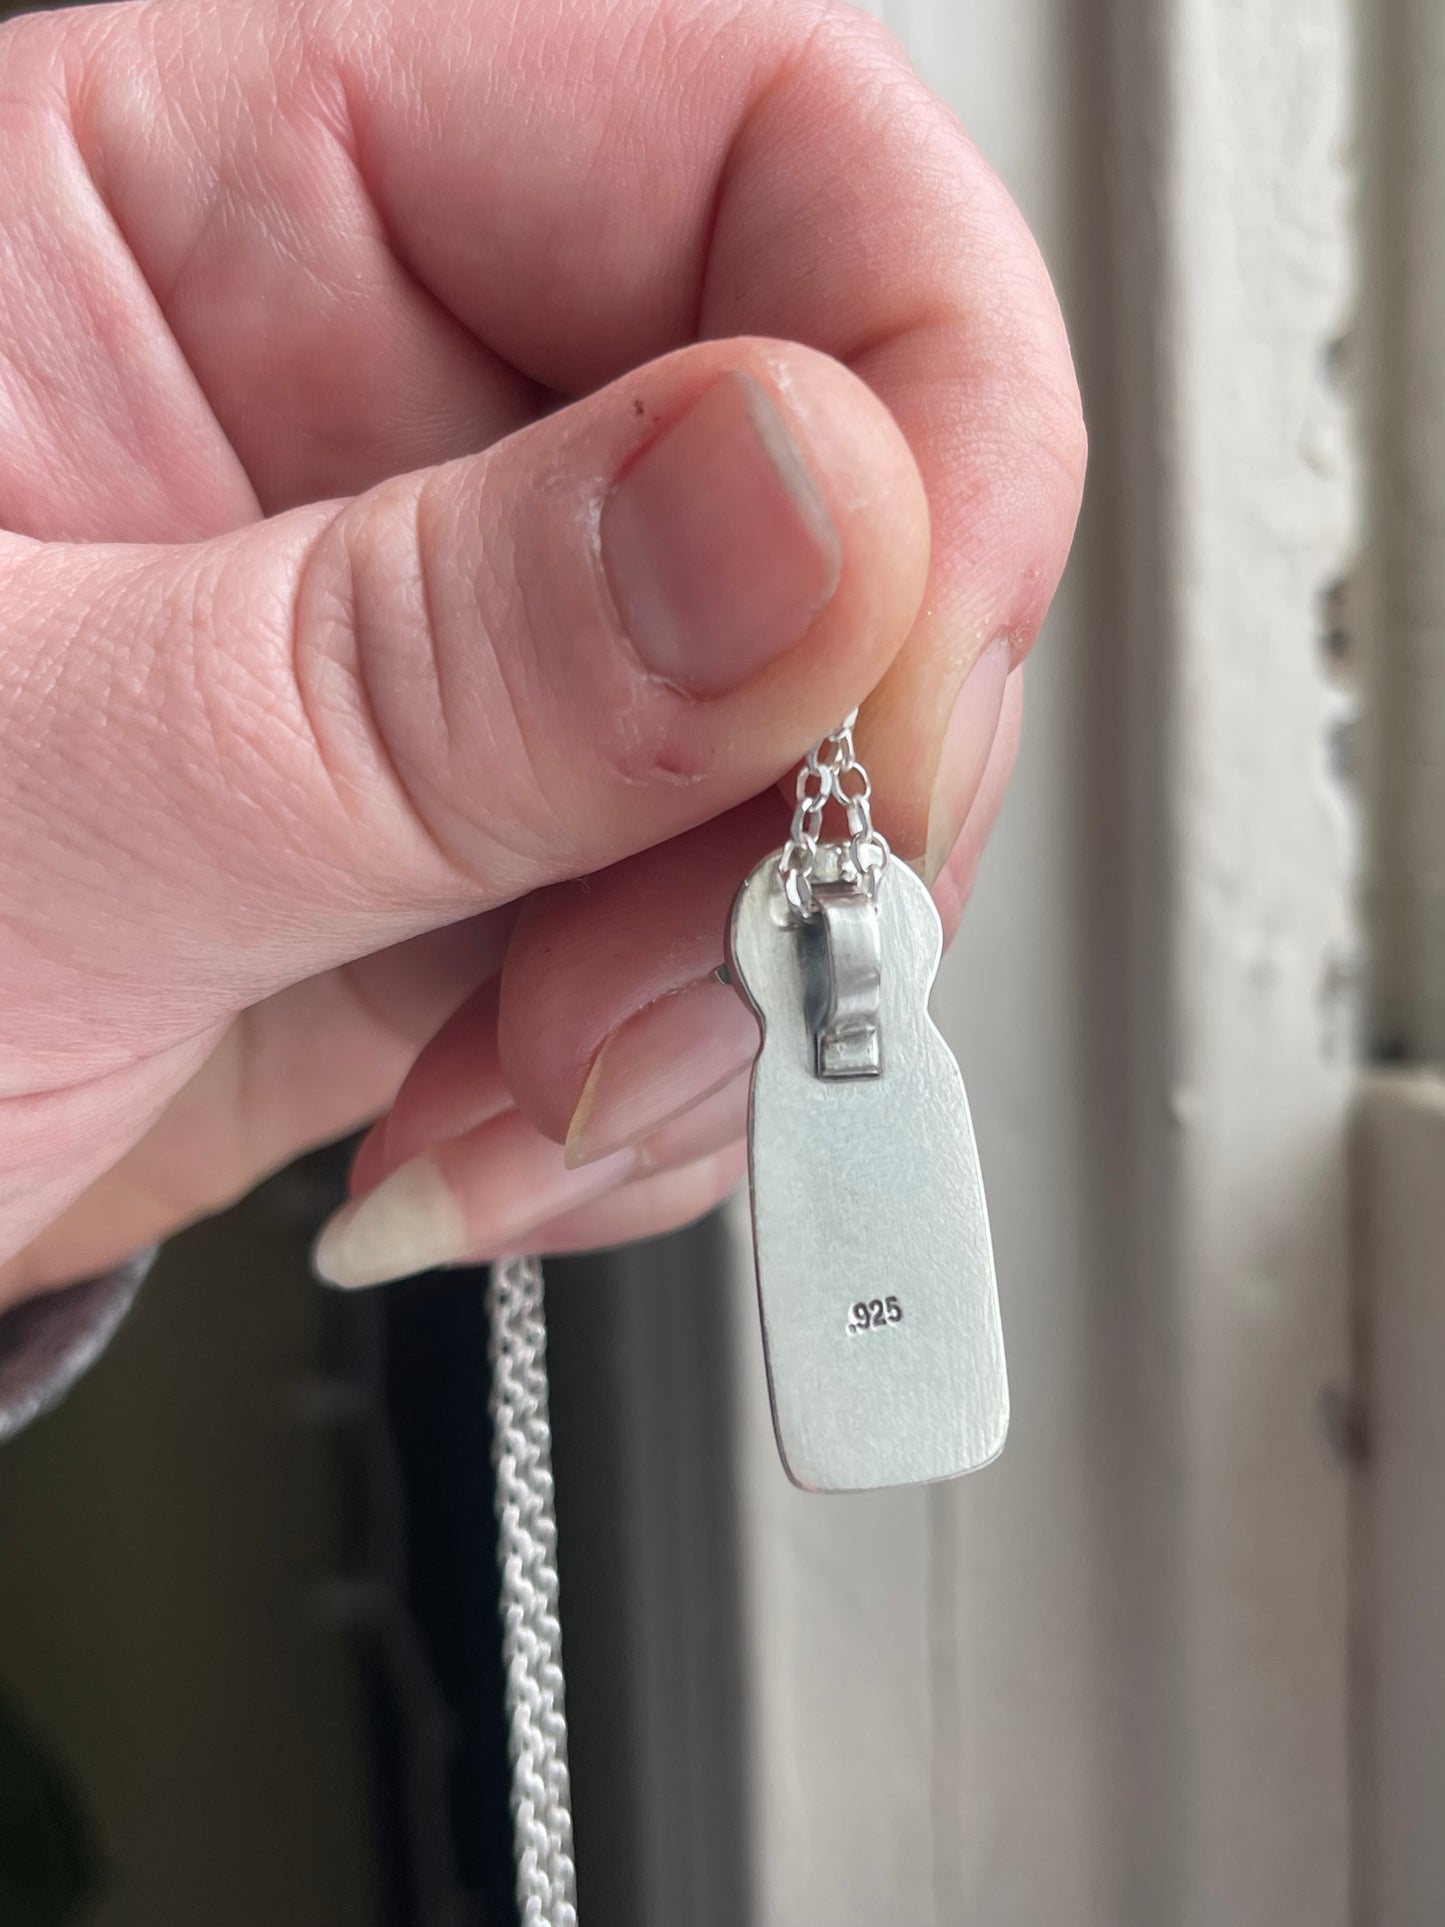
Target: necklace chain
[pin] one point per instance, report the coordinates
(831, 773)
(531, 1631)
(522, 1436)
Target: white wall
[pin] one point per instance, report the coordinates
(1104, 1684)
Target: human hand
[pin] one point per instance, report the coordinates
(457, 458)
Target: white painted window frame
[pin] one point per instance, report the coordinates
(1179, 1659)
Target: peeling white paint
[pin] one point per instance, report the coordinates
(1105, 1683)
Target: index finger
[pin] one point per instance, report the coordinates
(719, 168)
(583, 188)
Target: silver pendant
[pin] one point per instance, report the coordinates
(875, 1268)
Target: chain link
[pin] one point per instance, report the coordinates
(831, 773)
(531, 1631)
(522, 1436)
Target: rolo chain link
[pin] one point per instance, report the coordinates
(831, 773)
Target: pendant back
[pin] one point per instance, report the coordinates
(875, 1267)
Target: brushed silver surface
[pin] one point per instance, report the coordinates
(867, 1191)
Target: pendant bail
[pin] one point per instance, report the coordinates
(846, 1041)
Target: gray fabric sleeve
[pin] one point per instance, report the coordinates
(48, 1343)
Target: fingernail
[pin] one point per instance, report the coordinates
(718, 546)
(410, 1222)
(967, 740)
(667, 1058)
(478, 1193)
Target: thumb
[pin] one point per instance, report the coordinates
(234, 764)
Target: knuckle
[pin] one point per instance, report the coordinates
(424, 689)
(365, 667)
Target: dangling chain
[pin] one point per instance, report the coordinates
(832, 772)
(522, 1435)
(531, 1632)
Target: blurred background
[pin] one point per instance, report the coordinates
(1176, 1661)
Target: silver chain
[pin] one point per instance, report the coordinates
(531, 1631)
(832, 773)
(522, 1434)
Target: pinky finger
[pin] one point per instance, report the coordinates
(501, 1186)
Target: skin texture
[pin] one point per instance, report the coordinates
(330, 336)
